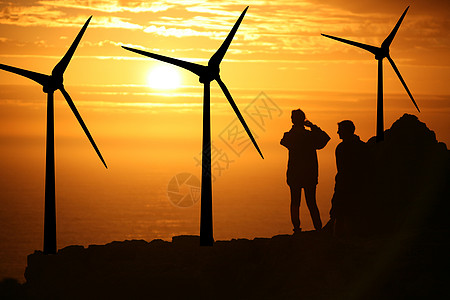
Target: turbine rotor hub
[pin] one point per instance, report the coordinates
(210, 74)
(54, 83)
(383, 53)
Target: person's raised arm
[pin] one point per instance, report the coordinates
(320, 137)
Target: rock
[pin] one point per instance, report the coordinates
(408, 179)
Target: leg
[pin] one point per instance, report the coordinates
(310, 195)
(296, 194)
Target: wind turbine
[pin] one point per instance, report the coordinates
(206, 75)
(50, 84)
(380, 53)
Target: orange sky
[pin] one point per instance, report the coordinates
(278, 49)
(147, 135)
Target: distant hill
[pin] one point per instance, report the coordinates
(404, 253)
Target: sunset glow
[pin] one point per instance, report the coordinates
(164, 77)
(146, 116)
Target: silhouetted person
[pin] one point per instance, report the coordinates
(351, 156)
(302, 169)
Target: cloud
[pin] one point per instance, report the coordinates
(426, 7)
(283, 28)
(110, 6)
(182, 32)
(27, 15)
(49, 16)
(114, 22)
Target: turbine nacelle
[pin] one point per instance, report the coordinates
(382, 53)
(211, 73)
(54, 83)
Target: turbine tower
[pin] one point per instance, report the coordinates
(206, 75)
(380, 53)
(50, 84)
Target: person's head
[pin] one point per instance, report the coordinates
(346, 129)
(298, 117)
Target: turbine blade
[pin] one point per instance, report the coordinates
(194, 68)
(220, 53)
(403, 82)
(59, 69)
(369, 48)
(80, 120)
(38, 77)
(387, 42)
(238, 113)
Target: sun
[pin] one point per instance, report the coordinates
(164, 77)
